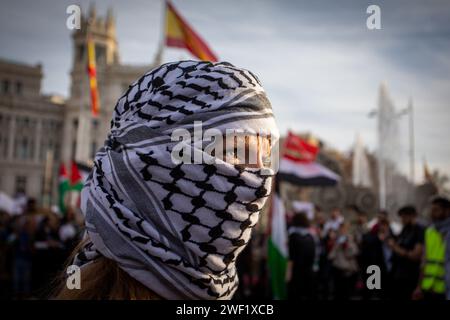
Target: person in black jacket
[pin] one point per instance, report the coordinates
(301, 259)
(407, 253)
(375, 251)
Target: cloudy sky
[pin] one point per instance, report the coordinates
(319, 63)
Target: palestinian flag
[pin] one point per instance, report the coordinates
(76, 180)
(64, 187)
(306, 174)
(298, 165)
(78, 176)
(278, 247)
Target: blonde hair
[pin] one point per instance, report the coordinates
(102, 279)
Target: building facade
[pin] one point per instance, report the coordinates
(38, 133)
(30, 129)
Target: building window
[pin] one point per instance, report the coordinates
(19, 88)
(5, 86)
(74, 149)
(93, 149)
(95, 124)
(21, 184)
(42, 150)
(57, 151)
(23, 148)
(80, 52)
(5, 134)
(100, 52)
(4, 148)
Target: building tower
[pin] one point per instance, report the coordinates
(84, 134)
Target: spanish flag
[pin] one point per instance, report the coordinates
(92, 72)
(179, 34)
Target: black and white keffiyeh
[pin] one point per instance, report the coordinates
(177, 228)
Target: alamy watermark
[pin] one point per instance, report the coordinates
(374, 280)
(73, 281)
(236, 146)
(373, 21)
(73, 21)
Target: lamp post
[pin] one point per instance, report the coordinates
(380, 160)
(412, 165)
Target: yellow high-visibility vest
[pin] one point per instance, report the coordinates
(434, 271)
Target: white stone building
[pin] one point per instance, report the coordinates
(31, 124)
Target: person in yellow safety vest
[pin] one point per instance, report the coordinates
(435, 276)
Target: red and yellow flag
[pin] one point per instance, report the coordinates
(92, 72)
(299, 149)
(179, 34)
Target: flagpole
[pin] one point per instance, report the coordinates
(79, 154)
(162, 40)
(48, 175)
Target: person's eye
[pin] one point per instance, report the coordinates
(229, 154)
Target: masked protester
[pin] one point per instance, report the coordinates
(158, 229)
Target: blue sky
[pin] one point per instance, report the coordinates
(320, 65)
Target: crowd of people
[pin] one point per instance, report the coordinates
(329, 259)
(329, 255)
(34, 246)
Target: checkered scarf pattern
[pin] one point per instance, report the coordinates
(177, 228)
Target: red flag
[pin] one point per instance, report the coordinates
(299, 149)
(76, 181)
(63, 172)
